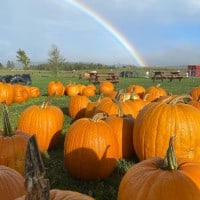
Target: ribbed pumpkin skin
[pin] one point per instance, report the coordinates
(77, 106)
(57, 194)
(20, 93)
(146, 181)
(12, 183)
(45, 123)
(106, 87)
(123, 127)
(195, 93)
(6, 93)
(155, 124)
(34, 92)
(90, 149)
(55, 88)
(13, 150)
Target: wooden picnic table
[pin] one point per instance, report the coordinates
(161, 76)
(96, 77)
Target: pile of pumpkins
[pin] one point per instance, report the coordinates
(161, 130)
(16, 93)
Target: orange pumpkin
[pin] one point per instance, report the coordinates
(158, 120)
(34, 92)
(90, 149)
(77, 105)
(123, 128)
(12, 183)
(55, 88)
(136, 89)
(158, 178)
(6, 93)
(45, 121)
(154, 92)
(106, 87)
(72, 90)
(20, 93)
(195, 93)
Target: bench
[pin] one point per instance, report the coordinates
(100, 77)
(171, 76)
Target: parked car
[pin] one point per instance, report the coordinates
(17, 78)
(128, 74)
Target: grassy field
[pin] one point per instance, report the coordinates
(59, 178)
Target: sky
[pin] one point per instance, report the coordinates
(112, 32)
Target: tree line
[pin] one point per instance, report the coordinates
(55, 62)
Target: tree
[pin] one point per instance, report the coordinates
(56, 60)
(10, 65)
(23, 58)
(1, 66)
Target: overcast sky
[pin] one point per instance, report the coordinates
(161, 32)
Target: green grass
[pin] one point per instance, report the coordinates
(58, 176)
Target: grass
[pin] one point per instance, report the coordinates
(59, 178)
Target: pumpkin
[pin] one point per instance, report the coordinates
(106, 87)
(71, 90)
(154, 92)
(90, 148)
(55, 88)
(88, 91)
(20, 94)
(137, 89)
(6, 93)
(123, 126)
(12, 144)
(162, 178)
(195, 93)
(12, 183)
(46, 121)
(157, 120)
(77, 105)
(34, 92)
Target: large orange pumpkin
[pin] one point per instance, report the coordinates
(45, 121)
(158, 120)
(162, 179)
(12, 183)
(106, 87)
(90, 149)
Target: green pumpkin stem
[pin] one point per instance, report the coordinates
(7, 129)
(170, 162)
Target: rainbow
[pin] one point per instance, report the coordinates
(99, 19)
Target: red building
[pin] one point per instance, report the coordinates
(193, 70)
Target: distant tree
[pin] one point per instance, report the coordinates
(10, 65)
(56, 60)
(1, 66)
(23, 58)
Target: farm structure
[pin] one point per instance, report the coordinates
(193, 70)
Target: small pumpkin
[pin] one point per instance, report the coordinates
(106, 87)
(6, 93)
(55, 88)
(162, 178)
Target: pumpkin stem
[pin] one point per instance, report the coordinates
(174, 99)
(46, 102)
(120, 110)
(170, 162)
(36, 186)
(7, 129)
(99, 116)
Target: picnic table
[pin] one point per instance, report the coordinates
(172, 76)
(96, 77)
